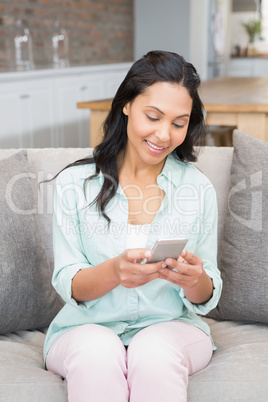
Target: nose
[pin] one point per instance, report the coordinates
(163, 133)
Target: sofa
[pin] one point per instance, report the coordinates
(238, 370)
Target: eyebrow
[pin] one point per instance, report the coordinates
(160, 111)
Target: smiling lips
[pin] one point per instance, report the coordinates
(154, 148)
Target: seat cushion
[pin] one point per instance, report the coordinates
(238, 370)
(22, 375)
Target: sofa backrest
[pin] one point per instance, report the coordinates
(44, 163)
(215, 163)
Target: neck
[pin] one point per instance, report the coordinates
(137, 170)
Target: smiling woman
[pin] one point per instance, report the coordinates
(125, 317)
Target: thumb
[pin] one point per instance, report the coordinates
(189, 257)
(138, 254)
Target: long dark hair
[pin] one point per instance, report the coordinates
(155, 66)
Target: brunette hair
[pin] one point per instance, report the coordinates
(155, 66)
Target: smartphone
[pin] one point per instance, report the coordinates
(165, 248)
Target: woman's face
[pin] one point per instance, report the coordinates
(158, 121)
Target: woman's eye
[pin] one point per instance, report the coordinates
(178, 125)
(151, 118)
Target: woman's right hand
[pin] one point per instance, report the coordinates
(131, 273)
(126, 269)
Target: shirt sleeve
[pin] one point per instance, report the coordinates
(206, 249)
(69, 256)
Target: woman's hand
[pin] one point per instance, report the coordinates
(129, 270)
(189, 275)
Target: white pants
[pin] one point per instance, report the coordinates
(154, 368)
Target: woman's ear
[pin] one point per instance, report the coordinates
(126, 109)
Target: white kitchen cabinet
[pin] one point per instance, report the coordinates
(26, 111)
(70, 128)
(37, 114)
(248, 67)
(260, 67)
(10, 136)
(112, 82)
(73, 127)
(39, 108)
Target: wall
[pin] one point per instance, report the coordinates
(244, 5)
(199, 36)
(162, 25)
(175, 25)
(245, 13)
(239, 36)
(100, 31)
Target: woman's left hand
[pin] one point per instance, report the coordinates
(188, 273)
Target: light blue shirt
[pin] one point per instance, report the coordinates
(83, 239)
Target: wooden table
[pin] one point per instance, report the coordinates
(231, 101)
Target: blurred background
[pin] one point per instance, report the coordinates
(210, 33)
(55, 54)
(97, 31)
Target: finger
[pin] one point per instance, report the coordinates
(138, 254)
(180, 259)
(172, 264)
(191, 258)
(148, 278)
(148, 269)
(182, 267)
(173, 276)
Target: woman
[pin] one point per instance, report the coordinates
(131, 331)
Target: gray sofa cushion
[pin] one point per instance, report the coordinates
(27, 298)
(237, 372)
(244, 251)
(22, 374)
(215, 163)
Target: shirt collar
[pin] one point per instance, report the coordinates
(171, 171)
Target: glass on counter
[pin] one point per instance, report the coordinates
(23, 47)
(60, 46)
